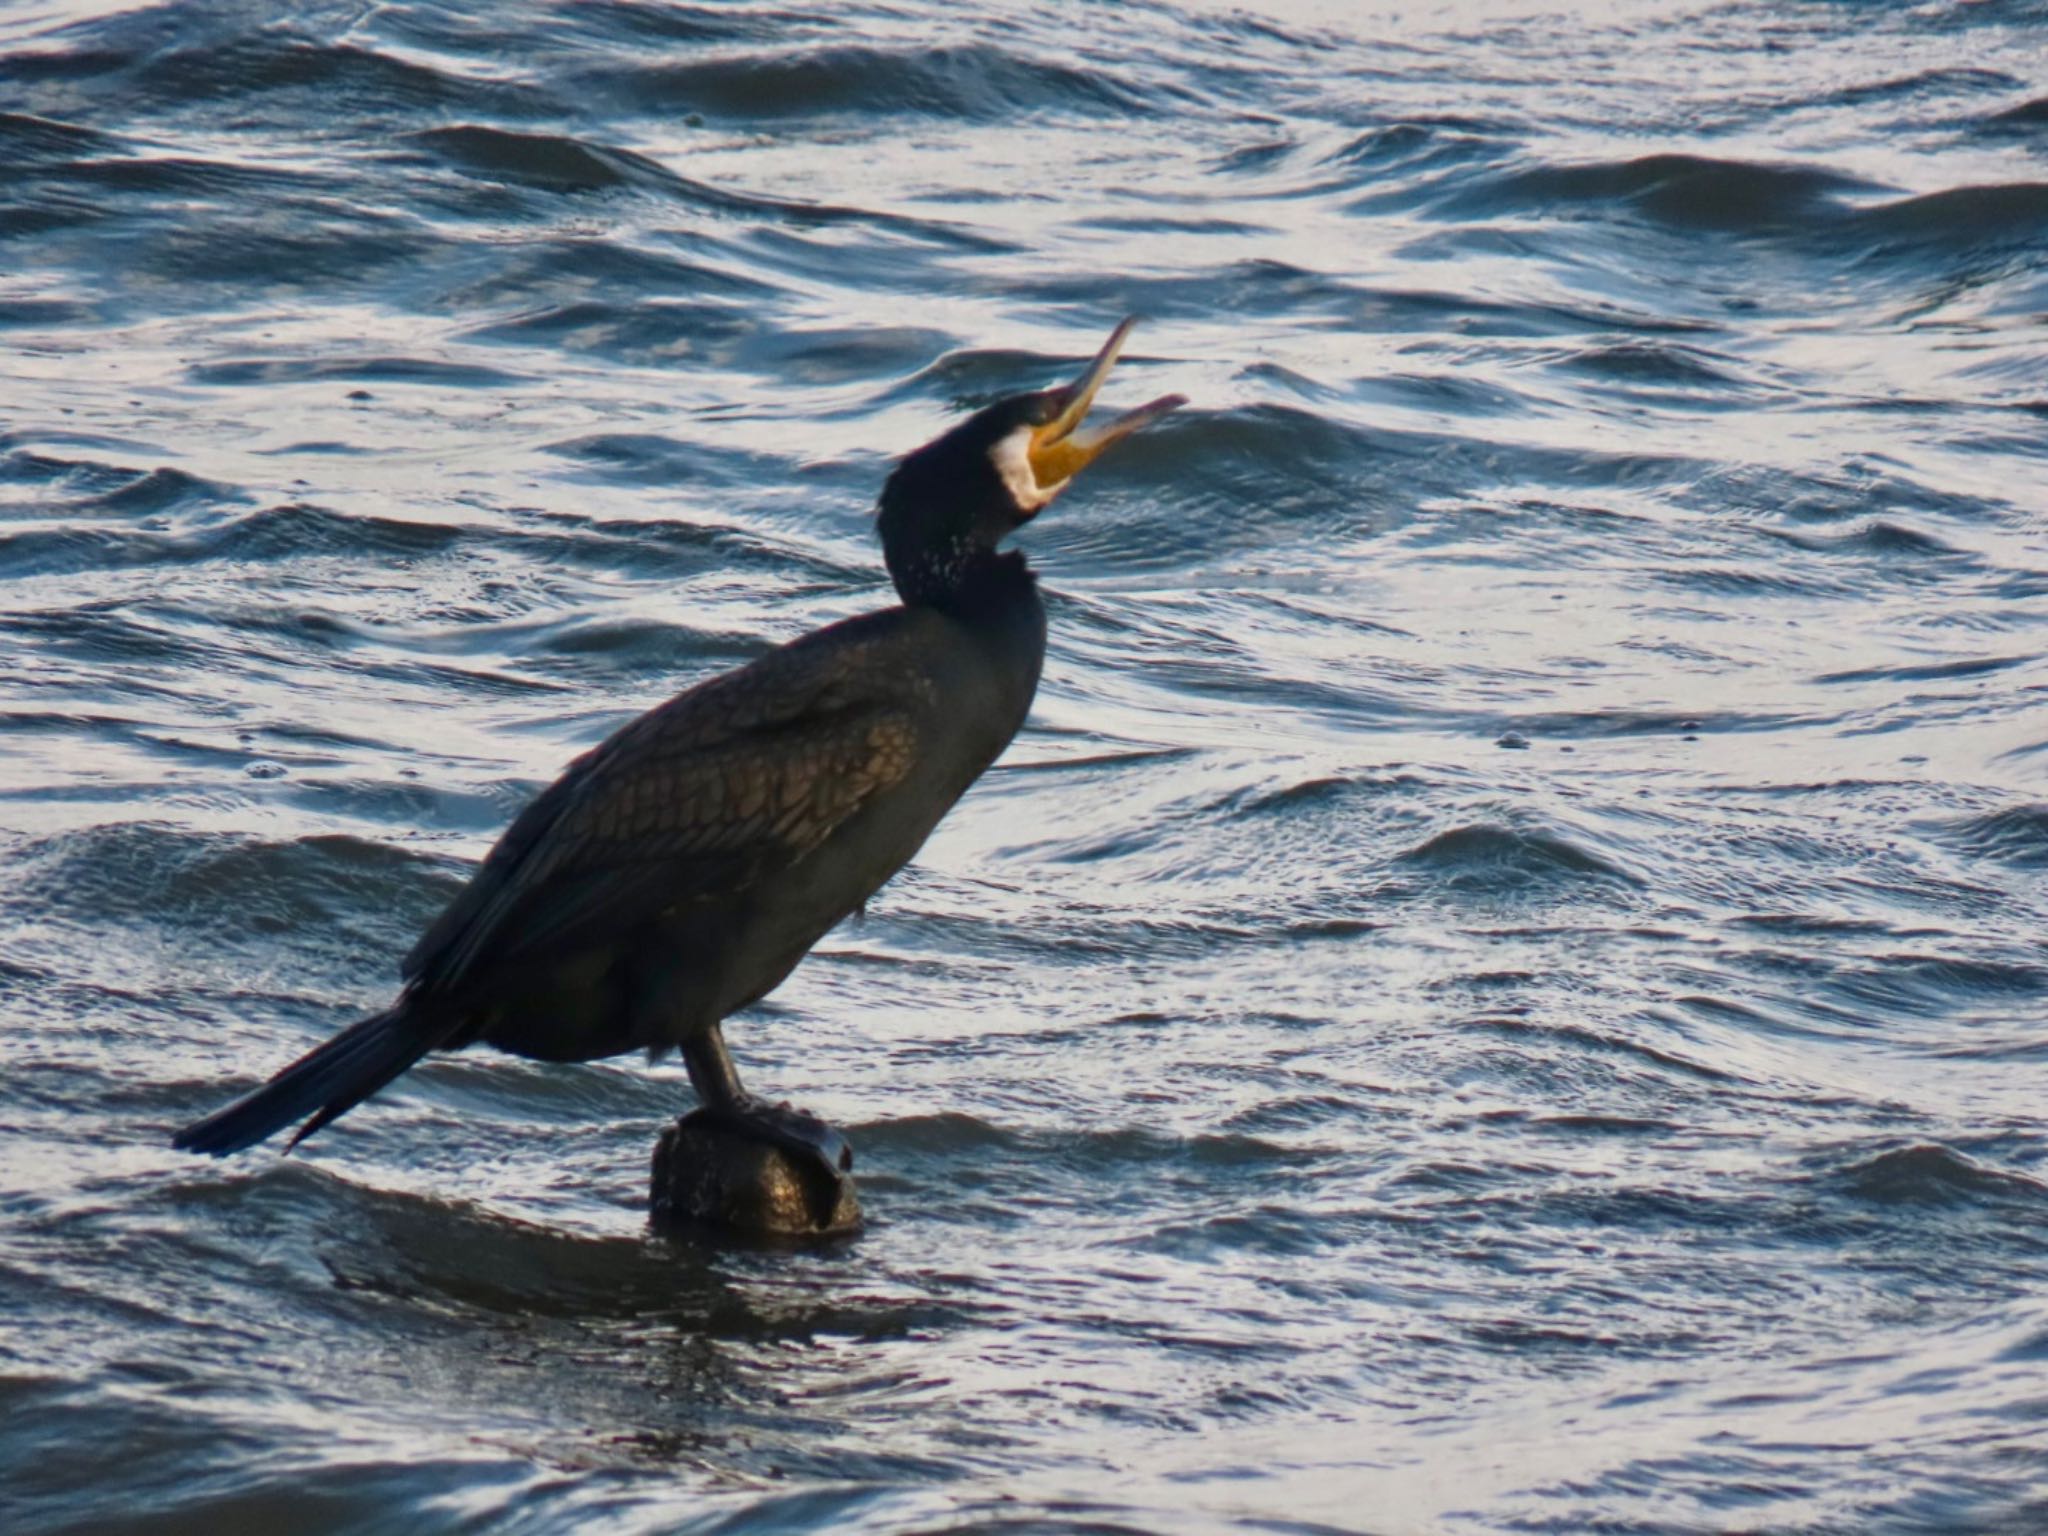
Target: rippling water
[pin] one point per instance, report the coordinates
(1503, 987)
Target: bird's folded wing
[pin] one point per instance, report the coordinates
(692, 802)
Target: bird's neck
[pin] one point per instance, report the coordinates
(967, 581)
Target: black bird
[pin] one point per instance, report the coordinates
(679, 870)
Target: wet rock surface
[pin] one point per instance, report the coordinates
(711, 1179)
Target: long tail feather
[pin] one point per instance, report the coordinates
(326, 1082)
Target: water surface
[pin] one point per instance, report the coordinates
(1502, 988)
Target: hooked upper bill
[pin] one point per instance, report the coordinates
(1060, 449)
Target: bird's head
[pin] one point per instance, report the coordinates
(948, 505)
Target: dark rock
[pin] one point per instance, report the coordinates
(708, 1176)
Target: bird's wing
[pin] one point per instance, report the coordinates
(694, 800)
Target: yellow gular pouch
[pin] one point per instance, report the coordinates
(1053, 453)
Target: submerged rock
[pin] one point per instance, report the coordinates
(708, 1176)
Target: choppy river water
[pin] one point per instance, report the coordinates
(1502, 988)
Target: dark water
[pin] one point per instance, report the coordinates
(1503, 988)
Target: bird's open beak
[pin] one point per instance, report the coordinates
(1059, 450)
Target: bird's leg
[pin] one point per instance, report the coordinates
(819, 1148)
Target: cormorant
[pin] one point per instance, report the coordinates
(680, 869)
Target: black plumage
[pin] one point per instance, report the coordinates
(679, 870)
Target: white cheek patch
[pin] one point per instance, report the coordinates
(1012, 456)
